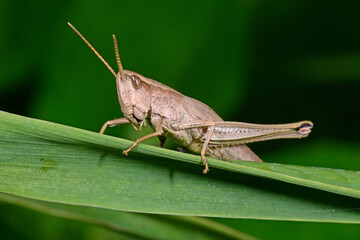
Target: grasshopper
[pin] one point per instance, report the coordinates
(187, 121)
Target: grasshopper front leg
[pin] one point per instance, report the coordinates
(113, 123)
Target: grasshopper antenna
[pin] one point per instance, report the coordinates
(120, 67)
(97, 54)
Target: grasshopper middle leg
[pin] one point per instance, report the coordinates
(158, 133)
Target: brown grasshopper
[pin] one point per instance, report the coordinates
(189, 122)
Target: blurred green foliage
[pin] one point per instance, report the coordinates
(252, 61)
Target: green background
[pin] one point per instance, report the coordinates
(251, 61)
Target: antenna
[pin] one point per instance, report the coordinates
(120, 67)
(97, 54)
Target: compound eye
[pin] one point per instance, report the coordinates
(136, 81)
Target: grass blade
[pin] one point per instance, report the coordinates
(52, 162)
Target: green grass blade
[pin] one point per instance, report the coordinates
(61, 210)
(141, 226)
(52, 162)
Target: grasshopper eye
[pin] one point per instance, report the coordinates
(136, 81)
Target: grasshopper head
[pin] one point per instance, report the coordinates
(134, 96)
